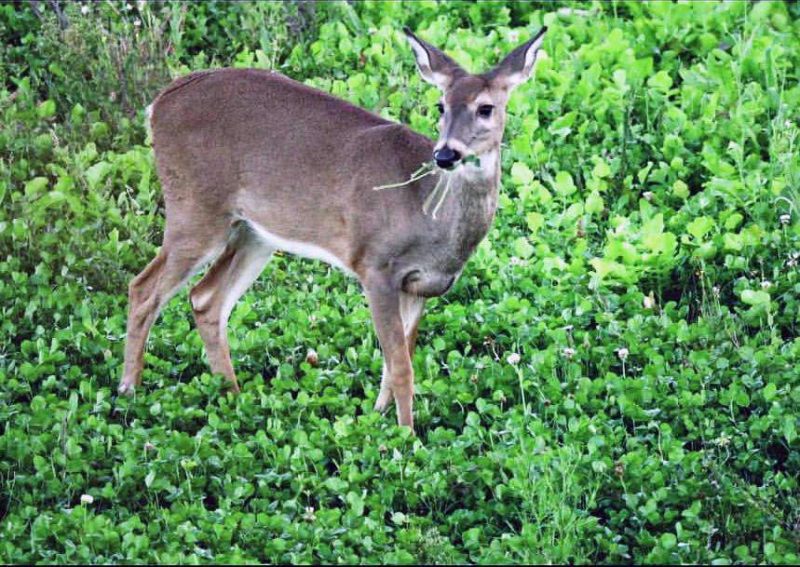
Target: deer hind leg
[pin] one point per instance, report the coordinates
(177, 261)
(214, 297)
(396, 316)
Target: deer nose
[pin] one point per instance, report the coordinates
(446, 157)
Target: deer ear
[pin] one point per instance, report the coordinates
(434, 66)
(518, 65)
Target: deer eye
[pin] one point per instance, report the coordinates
(440, 107)
(485, 110)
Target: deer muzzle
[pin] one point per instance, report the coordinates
(446, 157)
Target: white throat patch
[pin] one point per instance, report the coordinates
(485, 169)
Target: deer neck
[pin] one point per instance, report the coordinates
(468, 211)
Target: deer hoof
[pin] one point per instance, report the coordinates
(384, 399)
(126, 388)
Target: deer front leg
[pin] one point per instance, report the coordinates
(398, 376)
(411, 307)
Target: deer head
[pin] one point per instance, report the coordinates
(472, 107)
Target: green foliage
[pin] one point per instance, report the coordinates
(642, 268)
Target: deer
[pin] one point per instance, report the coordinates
(252, 162)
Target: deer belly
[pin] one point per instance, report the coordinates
(298, 248)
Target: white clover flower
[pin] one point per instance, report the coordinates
(723, 440)
(87, 498)
(137, 23)
(312, 357)
(569, 352)
(715, 290)
(513, 358)
(85, 9)
(648, 195)
(622, 353)
(308, 515)
(766, 284)
(648, 302)
(785, 218)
